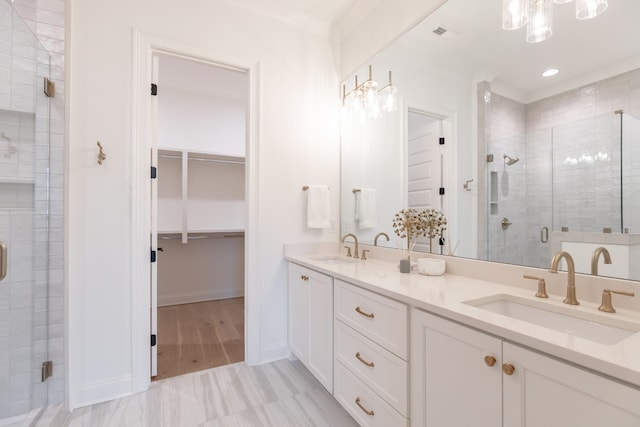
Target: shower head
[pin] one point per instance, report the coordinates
(508, 160)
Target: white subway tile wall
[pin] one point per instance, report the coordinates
(508, 126)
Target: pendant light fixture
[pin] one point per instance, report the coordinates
(537, 15)
(587, 9)
(515, 14)
(366, 100)
(539, 27)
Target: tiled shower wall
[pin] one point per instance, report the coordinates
(582, 128)
(24, 158)
(46, 19)
(506, 184)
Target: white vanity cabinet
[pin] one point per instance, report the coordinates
(311, 321)
(371, 356)
(463, 377)
(543, 391)
(451, 382)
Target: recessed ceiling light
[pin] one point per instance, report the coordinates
(550, 72)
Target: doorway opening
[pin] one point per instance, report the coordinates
(198, 215)
(427, 170)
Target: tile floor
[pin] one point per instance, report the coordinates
(277, 394)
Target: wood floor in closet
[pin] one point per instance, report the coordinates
(198, 336)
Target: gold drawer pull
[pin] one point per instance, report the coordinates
(365, 410)
(369, 364)
(369, 315)
(508, 369)
(303, 277)
(490, 361)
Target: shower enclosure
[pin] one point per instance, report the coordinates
(24, 221)
(578, 177)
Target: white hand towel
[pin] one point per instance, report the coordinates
(318, 206)
(367, 208)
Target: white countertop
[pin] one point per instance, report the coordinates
(445, 295)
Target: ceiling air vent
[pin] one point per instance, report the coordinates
(440, 31)
(445, 33)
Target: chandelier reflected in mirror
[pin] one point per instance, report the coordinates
(537, 15)
(366, 100)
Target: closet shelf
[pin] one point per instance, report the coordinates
(192, 155)
(177, 235)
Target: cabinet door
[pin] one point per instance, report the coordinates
(299, 312)
(452, 383)
(320, 334)
(544, 392)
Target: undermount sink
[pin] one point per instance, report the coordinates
(593, 327)
(335, 259)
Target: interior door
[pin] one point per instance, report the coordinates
(154, 219)
(424, 166)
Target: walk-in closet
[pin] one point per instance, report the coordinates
(199, 203)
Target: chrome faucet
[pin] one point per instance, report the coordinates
(355, 239)
(596, 256)
(375, 240)
(571, 275)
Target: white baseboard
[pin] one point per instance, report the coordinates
(274, 352)
(164, 300)
(100, 392)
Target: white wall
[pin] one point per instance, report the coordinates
(373, 158)
(200, 270)
(200, 122)
(365, 30)
(297, 141)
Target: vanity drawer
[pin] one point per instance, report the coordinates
(378, 318)
(384, 372)
(366, 407)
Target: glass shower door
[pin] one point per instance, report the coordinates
(630, 173)
(24, 220)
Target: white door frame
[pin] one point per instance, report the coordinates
(144, 46)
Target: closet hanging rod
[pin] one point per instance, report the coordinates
(212, 236)
(236, 162)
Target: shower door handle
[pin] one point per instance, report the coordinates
(3, 260)
(544, 234)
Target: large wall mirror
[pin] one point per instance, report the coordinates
(530, 164)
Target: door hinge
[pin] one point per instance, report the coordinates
(442, 191)
(47, 370)
(153, 340)
(154, 89)
(441, 141)
(153, 256)
(154, 172)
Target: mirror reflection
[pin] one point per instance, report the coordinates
(528, 164)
